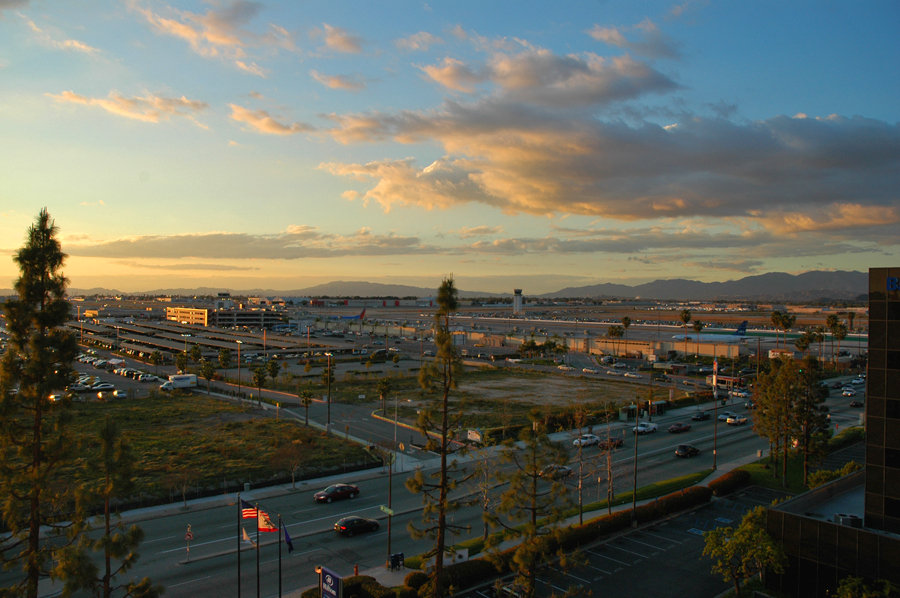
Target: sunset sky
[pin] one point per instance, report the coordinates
(282, 144)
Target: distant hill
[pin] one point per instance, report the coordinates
(775, 286)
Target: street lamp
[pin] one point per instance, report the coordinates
(239, 343)
(328, 377)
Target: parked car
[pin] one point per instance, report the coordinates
(555, 471)
(336, 492)
(736, 420)
(679, 427)
(350, 526)
(611, 443)
(686, 450)
(103, 386)
(645, 428)
(700, 416)
(848, 392)
(749, 405)
(120, 394)
(586, 440)
(724, 415)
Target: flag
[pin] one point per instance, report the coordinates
(288, 541)
(248, 511)
(246, 537)
(264, 523)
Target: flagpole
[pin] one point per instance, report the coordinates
(239, 517)
(279, 554)
(257, 550)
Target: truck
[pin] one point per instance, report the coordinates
(179, 381)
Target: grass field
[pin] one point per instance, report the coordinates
(191, 444)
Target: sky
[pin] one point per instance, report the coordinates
(536, 145)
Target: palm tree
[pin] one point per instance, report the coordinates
(831, 323)
(383, 388)
(626, 322)
(306, 399)
(698, 326)
(685, 318)
(615, 332)
(777, 322)
(839, 333)
(787, 322)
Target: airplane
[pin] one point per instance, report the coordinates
(360, 316)
(739, 336)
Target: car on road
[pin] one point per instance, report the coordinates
(555, 471)
(740, 393)
(612, 373)
(679, 427)
(736, 420)
(701, 416)
(724, 415)
(632, 375)
(589, 371)
(848, 392)
(611, 443)
(565, 368)
(858, 381)
(336, 492)
(586, 440)
(645, 428)
(350, 526)
(855, 403)
(686, 450)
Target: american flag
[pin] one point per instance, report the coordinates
(248, 511)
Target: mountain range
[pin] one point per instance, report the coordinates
(774, 286)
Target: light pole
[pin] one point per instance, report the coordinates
(328, 377)
(239, 343)
(715, 404)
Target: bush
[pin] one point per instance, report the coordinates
(403, 592)
(729, 482)
(468, 573)
(846, 438)
(415, 579)
(364, 586)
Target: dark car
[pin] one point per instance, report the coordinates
(686, 450)
(555, 471)
(350, 526)
(336, 492)
(610, 443)
(678, 427)
(700, 416)
(855, 403)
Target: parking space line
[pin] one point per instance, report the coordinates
(547, 583)
(672, 540)
(577, 578)
(630, 539)
(604, 571)
(603, 556)
(638, 554)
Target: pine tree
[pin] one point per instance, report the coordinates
(437, 425)
(33, 439)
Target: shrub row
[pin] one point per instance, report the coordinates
(729, 482)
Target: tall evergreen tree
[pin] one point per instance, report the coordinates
(534, 500)
(33, 441)
(438, 425)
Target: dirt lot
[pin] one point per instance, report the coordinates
(549, 389)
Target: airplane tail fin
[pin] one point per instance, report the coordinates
(742, 329)
(362, 315)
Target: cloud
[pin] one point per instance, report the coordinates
(341, 40)
(295, 243)
(90, 204)
(220, 33)
(261, 122)
(418, 42)
(11, 4)
(650, 42)
(148, 108)
(182, 266)
(337, 81)
(66, 44)
(453, 74)
(467, 232)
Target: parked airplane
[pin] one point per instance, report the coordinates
(360, 316)
(740, 335)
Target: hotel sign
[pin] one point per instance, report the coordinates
(893, 283)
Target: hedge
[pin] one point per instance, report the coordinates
(730, 482)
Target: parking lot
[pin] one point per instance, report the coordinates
(660, 559)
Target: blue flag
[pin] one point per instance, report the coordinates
(288, 541)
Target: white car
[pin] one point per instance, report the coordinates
(612, 373)
(724, 415)
(565, 368)
(645, 428)
(632, 375)
(586, 440)
(848, 392)
(589, 371)
(736, 420)
(858, 381)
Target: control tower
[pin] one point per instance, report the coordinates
(518, 302)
